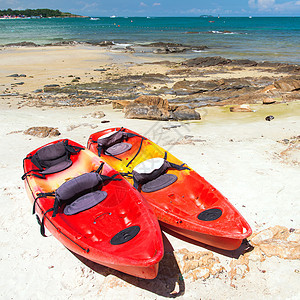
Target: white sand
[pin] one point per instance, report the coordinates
(263, 188)
(237, 153)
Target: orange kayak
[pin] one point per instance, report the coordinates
(182, 200)
(91, 209)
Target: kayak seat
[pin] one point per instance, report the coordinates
(159, 183)
(52, 159)
(113, 143)
(151, 175)
(80, 193)
(118, 148)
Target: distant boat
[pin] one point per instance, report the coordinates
(94, 19)
(112, 16)
(250, 17)
(211, 21)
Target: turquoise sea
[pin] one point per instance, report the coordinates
(257, 38)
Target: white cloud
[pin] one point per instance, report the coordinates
(252, 3)
(143, 4)
(270, 5)
(88, 6)
(156, 4)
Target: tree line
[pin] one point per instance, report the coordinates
(43, 12)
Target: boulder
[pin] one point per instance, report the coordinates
(157, 108)
(168, 50)
(152, 101)
(42, 131)
(98, 114)
(269, 101)
(241, 108)
(185, 113)
(140, 111)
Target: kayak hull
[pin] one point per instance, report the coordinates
(178, 206)
(89, 233)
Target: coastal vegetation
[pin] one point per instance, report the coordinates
(40, 12)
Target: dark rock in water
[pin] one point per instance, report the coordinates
(19, 83)
(244, 62)
(269, 118)
(106, 43)
(206, 61)
(163, 44)
(63, 43)
(38, 91)
(100, 70)
(185, 113)
(168, 50)
(42, 132)
(22, 44)
(17, 75)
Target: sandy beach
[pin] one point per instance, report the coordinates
(253, 162)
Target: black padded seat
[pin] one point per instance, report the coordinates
(159, 183)
(118, 148)
(52, 158)
(85, 202)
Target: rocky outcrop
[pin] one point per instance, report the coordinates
(157, 108)
(148, 107)
(288, 84)
(206, 61)
(21, 44)
(42, 131)
(186, 87)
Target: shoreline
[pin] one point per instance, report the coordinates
(253, 162)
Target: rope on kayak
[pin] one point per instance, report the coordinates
(137, 152)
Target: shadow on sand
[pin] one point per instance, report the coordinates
(168, 283)
(244, 248)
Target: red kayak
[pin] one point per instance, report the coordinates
(91, 209)
(182, 200)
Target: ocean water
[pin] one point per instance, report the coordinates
(257, 38)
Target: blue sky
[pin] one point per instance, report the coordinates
(191, 8)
